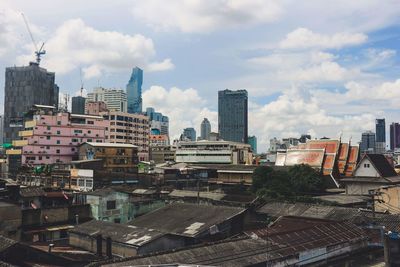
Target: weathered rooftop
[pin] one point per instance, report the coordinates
(128, 234)
(5, 243)
(186, 219)
(193, 194)
(31, 191)
(344, 199)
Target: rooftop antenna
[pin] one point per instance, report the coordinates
(38, 52)
(80, 74)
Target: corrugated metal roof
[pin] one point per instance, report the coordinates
(110, 145)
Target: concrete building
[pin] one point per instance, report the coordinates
(372, 172)
(232, 115)
(120, 158)
(109, 205)
(78, 105)
(253, 143)
(213, 152)
(24, 87)
(161, 154)
(158, 140)
(95, 108)
(189, 134)
(50, 138)
(159, 124)
(126, 128)
(1, 128)
(367, 144)
(115, 99)
(394, 136)
(134, 91)
(205, 129)
(380, 142)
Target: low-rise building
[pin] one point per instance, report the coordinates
(115, 157)
(127, 128)
(95, 107)
(109, 205)
(158, 140)
(161, 154)
(205, 151)
(121, 240)
(372, 172)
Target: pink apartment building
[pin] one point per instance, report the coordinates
(49, 139)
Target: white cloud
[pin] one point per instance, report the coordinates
(76, 44)
(205, 16)
(304, 38)
(184, 107)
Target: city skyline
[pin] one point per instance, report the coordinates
(344, 78)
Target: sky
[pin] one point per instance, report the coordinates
(326, 68)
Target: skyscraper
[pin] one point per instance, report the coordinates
(25, 87)
(380, 136)
(159, 124)
(367, 144)
(189, 134)
(394, 135)
(78, 105)
(134, 91)
(205, 129)
(115, 99)
(253, 143)
(232, 115)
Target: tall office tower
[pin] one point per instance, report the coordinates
(159, 124)
(394, 136)
(232, 115)
(134, 91)
(189, 134)
(380, 142)
(1, 128)
(367, 144)
(205, 129)
(78, 105)
(25, 87)
(115, 99)
(253, 143)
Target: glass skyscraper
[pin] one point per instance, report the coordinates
(134, 91)
(367, 144)
(232, 115)
(380, 136)
(205, 128)
(394, 135)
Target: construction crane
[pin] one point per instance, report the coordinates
(38, 52)
(80, 74)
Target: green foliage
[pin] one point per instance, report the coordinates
(298, 182)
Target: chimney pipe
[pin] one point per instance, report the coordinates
(77, 218)
(109, 247)
(99, 243)
(50, 247)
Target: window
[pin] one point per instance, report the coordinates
(48, 137)
(90, 122)
(47, 147)
(58, 142)
(366, 165)
(48, 127)
(111, 204)
(73, 149)
(89, 140)
(89, 131)
(58, 122)
(77, 131)
(74, 140)
(81, 182)
(40, 157)
(58, 132)
(58, 151)
(117, 220)
(47, 157)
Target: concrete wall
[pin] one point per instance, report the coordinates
(360, 188)
(391, 199)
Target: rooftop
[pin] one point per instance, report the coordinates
(31, 191)
(344, 199)
(186, 219)
(5, 243)
(193, 194)
(128, 234)
(381, 164)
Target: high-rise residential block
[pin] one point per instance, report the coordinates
(367, 144)
(94, 108)
(127, 128)
(253, 143)
(205, 128)
(55, 137)
(394, 136)
(159, 124)
(134, 91)
(78, 105)
(25, 87)
(232, 115)
(115, 99)
(189, 134)
(380, 130)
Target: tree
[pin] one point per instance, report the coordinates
(305, 180)
(271, 183)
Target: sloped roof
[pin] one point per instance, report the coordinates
(186, 219)
(31, 191)
(5, 243)
(128, 234)
(381, 164)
